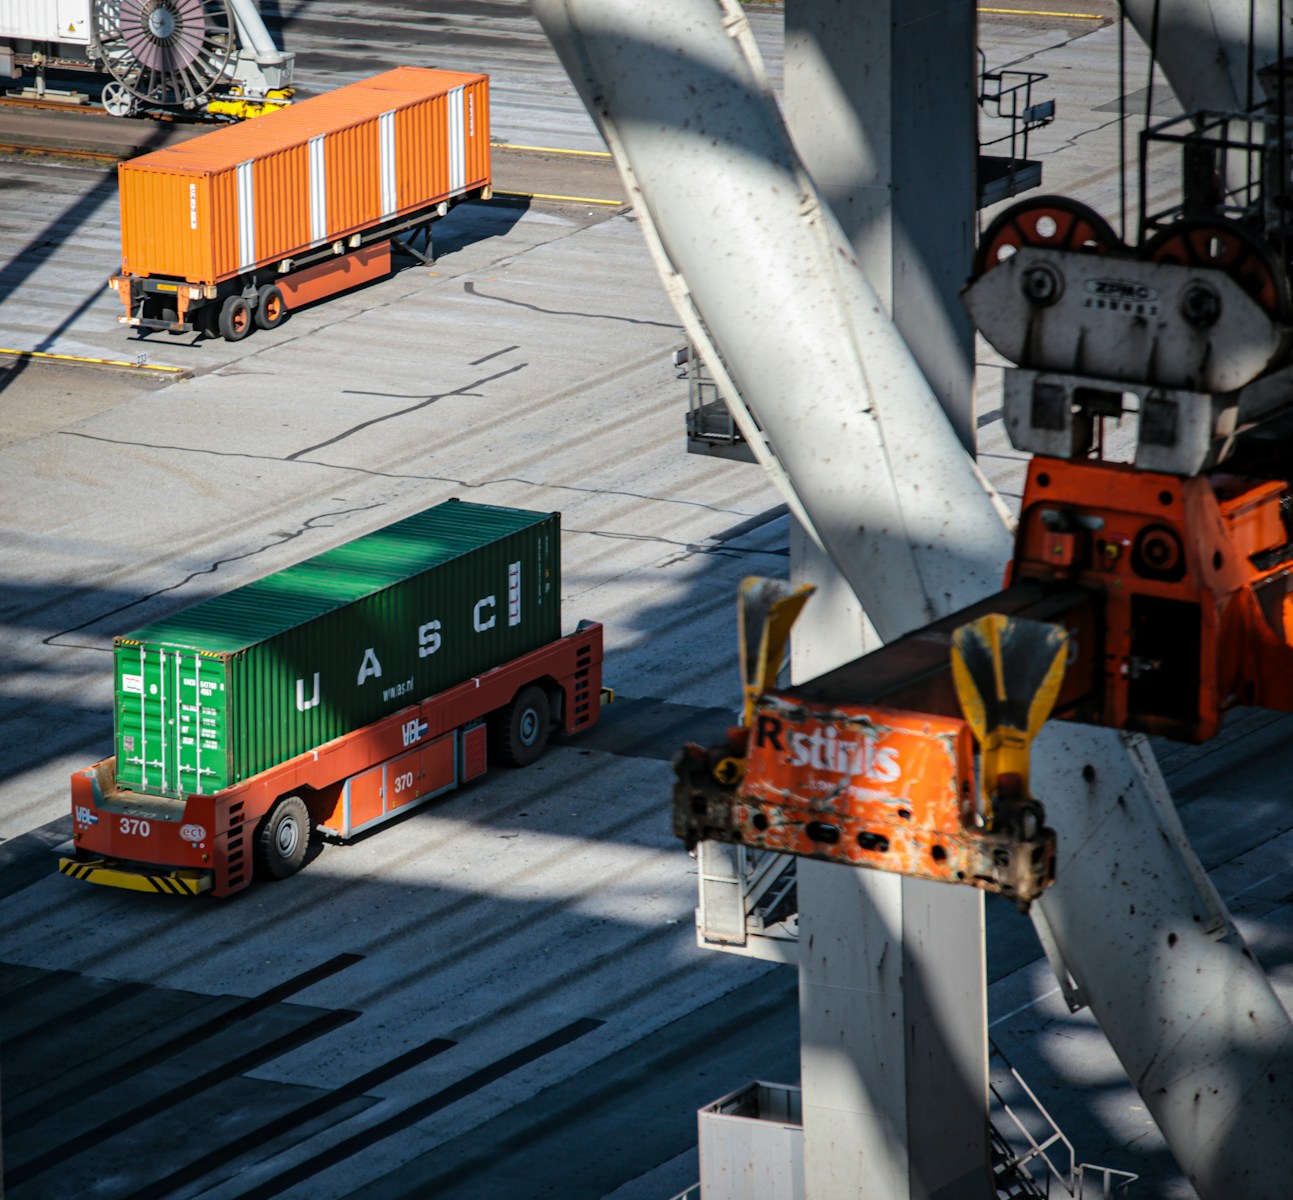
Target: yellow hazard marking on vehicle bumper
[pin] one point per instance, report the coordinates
(98, 871)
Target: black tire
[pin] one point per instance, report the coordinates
(521, 733)
(235, 319)
(271, 308)
(283, 839)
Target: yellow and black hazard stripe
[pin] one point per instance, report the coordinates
(188, 883)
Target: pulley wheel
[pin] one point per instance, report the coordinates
(1056, 222)
(118, 102)
(1211, 242)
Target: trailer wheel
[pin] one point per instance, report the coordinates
(235, 319)
(271, 308)
(522, 729)
(283, 838)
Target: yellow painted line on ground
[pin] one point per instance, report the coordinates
(571, 199)
(1030, 12)
(554, 150)
(98, 362)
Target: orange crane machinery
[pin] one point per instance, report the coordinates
(1170, 573)
(1172, 596)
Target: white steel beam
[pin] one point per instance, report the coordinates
(770, 291)
(1210, 50)
(251, 30)
(892, 971)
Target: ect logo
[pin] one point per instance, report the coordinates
(86, 816)
(824, 750)
(413, 731)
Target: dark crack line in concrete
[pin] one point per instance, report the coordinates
(470, 289)
(466, 389)
(450, 479)
(211, 570)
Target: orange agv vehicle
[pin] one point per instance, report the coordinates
(336, 694)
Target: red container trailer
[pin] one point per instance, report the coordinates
(242, 224)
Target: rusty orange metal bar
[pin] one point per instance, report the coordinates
(873, 765)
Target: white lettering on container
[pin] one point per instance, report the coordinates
(400, 689)
(370, 666)
(479, 625)
(514, 593)
(428, 638)
(301, 702)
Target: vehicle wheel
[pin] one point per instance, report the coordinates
(522, 729)
(271, 308)
(282, 839)
(235, 319)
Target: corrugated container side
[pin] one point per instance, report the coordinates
(335, 674)
(422, 131)
(171, 713)
(173, 246)
(321, 672)
(353, 178)
(478, 143)
(314, 173)
(222, 233)
(282, 221)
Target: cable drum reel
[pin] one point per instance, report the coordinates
(163, 53)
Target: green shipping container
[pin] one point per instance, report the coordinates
(239, 683)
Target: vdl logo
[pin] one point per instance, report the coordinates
(414, 731)
(86, 816)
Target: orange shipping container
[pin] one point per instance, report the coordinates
(249, 197)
